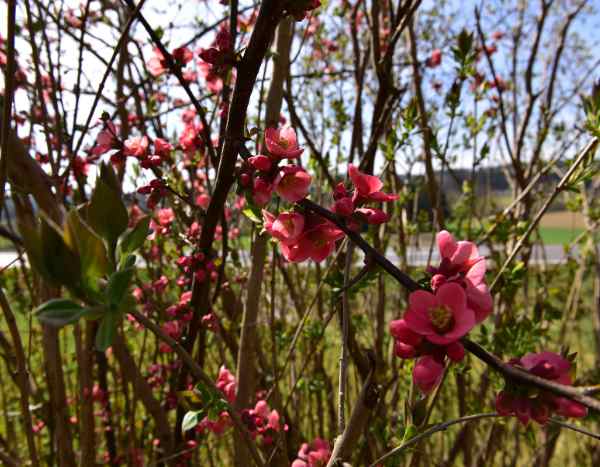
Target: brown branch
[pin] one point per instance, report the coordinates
(9, 84)
(22, 376)
(385, 263)
(199, 374)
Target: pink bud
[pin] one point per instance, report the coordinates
(427, 373)
(400, 331)
(455, 351)
(403, 350)
(245, 179)
(437, 281)
(344, 207)
(260, 162)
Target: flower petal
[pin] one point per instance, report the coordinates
(446, 244)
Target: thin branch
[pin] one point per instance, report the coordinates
(434, 429)
(199, 374)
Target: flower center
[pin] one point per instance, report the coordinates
(284, 143)
(441, 318)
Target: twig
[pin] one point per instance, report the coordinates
(590, 147)
(434, 429)
(199, 374)
(22, 377)
(344, 352)
(385, 263)
(568, 426)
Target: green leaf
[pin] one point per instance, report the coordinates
(409, 432)
(118, 284)
(92, 251)
(106, 331)
(106, 213)
(59, 312)
(60, 260)
(108, 176)
(134, 237)
(190, 420)
(253, 213)
(129, 262)
(33, 245)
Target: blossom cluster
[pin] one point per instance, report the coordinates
(262, 174)
(262, 422)
(350, 204)
(315, 454)
(306, 235)
(215, 61)
(526, 403)
(435, 321)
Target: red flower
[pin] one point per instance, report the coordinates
(539, 405)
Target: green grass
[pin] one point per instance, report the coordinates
(558, 235)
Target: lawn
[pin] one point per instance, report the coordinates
(558, 235)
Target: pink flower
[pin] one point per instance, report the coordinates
(213, 82)
(455, 351)
(435, 58)
(203, 200)
(343, 207)
(400, 330)
(315, 454)
(462, 264)
(165, 216)
(262, 191)
(162, 147)
(403, 350)
(136, 146)
(106, 139)
(373, 216)
(182, 55)
(427, 373)
(286, 227)
(292, 183)
(226, 383)
(535, 404)
(442, 318)
(282, 142)
(260, 162)
(368, 186)
(157, 64)
(317, 241)
(299, 9)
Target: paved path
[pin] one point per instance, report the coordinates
(554, 254)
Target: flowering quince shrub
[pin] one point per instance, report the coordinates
(299, 233)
